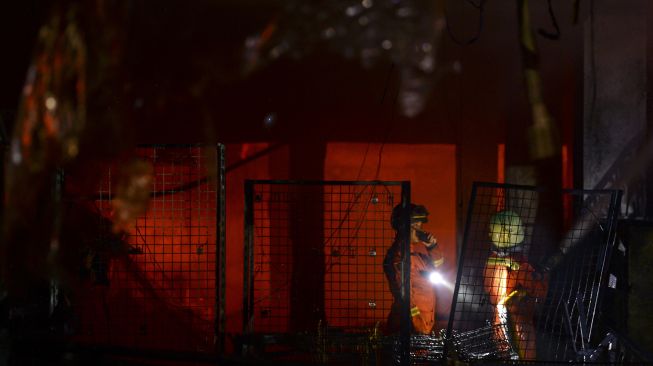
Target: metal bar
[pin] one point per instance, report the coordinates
(4, 149)
(248, 256)
(57, 194)
(570, 328)
(221, 258)
(203, 180)
(176, 146)
(582, 322)
(330, 182)
(405, 275)
(461, 261)
(615, 204)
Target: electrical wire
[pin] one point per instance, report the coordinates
(360, 221)
(552, 36)
(386, 135)
(385, 91)
(481, 8)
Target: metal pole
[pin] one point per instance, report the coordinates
(220, 253)
(248, 255)
(405, 274)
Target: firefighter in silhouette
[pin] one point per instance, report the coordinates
(425, 258)
(513, 285)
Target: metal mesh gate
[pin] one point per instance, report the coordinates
(314, 256)
(519, 294)
(160, 285)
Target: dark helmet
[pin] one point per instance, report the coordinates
(418, 213)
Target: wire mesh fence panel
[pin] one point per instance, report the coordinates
(578, 279)
(314, 258)
(154, 284)
(527, 291)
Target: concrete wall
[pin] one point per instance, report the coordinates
(615, 94)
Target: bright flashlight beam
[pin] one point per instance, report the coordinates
(437, 279)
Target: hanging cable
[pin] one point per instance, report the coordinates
(385, 91)
(387, 133)
(481, 7)
(552, 36)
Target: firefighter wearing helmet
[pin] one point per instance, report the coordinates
(511, 283)
(425, 257)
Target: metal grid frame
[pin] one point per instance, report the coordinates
(4, 154)
(544, 308)
(347, 223)
(162, 286)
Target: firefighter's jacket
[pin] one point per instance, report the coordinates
(423, 261)
(507, 274)
(513, 287)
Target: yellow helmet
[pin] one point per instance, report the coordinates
(506, 229)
